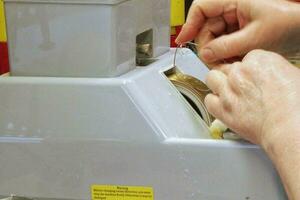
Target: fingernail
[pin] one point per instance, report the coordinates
(178, 39)
(207, 55)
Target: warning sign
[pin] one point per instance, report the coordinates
(115, 192)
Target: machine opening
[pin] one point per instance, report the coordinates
(192, 90)
(194, 106)
(144, 48)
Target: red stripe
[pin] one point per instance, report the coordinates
(173, 37)
(4, 63)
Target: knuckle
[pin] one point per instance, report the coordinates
(272, 55)
(247, 69)
(223, 48)
(254, 54)
(210, 77)
(259, 60)
(236, 79)
(207, 102)
(235, 71)
(196, 3)
(227, 105)
(210, 105)
(253, 59)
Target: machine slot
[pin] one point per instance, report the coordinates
(144, 48)
(192, 90)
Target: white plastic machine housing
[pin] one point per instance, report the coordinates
(82, 38)
(61, 135)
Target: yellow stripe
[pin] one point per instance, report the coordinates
(2, 23)
(177, 12)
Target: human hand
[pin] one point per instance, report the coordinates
(257, 96)
(231, 28)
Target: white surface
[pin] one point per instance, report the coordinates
(64, 107)
(58, 136)
(81, 40)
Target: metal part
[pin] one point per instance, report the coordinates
(144, 48)
(194, 91)
(295, 59)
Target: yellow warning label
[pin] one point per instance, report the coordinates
(115, 192)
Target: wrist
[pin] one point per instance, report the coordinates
(283, 148)
(282, 139)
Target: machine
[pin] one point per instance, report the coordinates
(95, 108)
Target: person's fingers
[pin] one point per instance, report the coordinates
(225, 68)
(236, 80)
(232, 28)
(259, 55)
(204, 37)
(216, 81)
(194, 22)
(230, 15)
(231, 45)
(213, 27)
(216, 107)
(199, 11)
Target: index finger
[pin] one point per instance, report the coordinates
(199, 11)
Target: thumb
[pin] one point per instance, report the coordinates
(227, 46)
